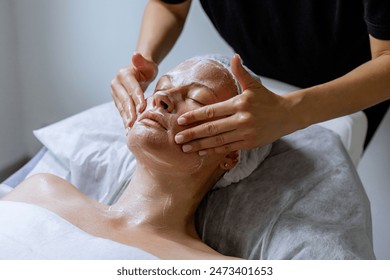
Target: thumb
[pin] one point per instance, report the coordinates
(147, 68)
(244, 78)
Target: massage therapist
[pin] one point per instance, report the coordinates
(337, 51)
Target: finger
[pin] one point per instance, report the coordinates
(129, 107)
(144, 72)
(124, 103)
(131, 84)
(133, 114)
(126, 110)
(244, 78)
(122, 113)
(208, 112)
(139, 100)
(220, 140)
(231, 147)
(207, 129)
(120, 97)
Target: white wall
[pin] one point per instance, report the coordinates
(12, 147)
(70, 50)
(374, 170)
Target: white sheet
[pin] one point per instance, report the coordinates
(32, 232)
(4, 189)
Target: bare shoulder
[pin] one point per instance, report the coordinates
(46, 190)
(37, 186)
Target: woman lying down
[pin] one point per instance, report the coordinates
(154, 217)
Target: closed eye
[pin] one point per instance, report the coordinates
(197, 102)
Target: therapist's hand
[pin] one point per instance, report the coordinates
(254, 118)
(129, 85)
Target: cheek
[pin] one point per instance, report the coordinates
(182, 108)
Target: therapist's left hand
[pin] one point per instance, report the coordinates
(252, 119)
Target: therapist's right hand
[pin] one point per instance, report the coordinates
(129, 85)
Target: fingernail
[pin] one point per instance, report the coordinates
(187, 148)
(179, 139)
(130, 121)
(181, 120)
(202, 153)
(239, 57)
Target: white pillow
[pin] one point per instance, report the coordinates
(92, 146)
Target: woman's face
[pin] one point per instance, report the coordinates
(190, 85)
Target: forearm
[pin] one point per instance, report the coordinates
(365, 86)
(161, 26)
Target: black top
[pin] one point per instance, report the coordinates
(301, 42)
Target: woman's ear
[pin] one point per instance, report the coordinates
(230, 160)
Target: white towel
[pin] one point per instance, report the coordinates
(31, 232)
(4, 189)
(249, 161)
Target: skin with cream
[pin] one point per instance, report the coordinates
(156, 211)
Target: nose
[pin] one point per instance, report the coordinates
(162, 100)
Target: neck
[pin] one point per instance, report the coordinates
(162, 202)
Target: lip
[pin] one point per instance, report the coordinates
(154, 117)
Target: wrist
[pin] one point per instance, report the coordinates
(298, 115)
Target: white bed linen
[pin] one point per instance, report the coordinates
(4, 189)
(49, 163)
(33, 232)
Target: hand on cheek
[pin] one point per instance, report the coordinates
(254, 118)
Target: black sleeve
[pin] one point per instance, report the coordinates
(173, 1)
(377, 17)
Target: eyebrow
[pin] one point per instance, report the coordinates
(192, 84)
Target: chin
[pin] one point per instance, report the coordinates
(158, 150)
(142, 137)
